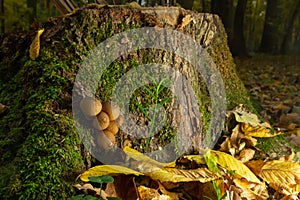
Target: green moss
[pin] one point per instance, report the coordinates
(276, 146)
(39, 138)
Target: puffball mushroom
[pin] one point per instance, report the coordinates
(90, 106)
(112, 127)
(101, 122)
(112, 109)
(106, 140)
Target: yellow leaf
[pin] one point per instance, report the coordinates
(252, 190)
(35, 45)
(281, 175)
(257, 131)
(174, 175)
(107, 170)
(148, 193)
(144, 163)
(230, 163)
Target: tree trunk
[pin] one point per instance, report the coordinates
(32, 4)
(225, 10)
(2, 26)
(43, 152)
(187, 4)
(289, 32)
(238, 43)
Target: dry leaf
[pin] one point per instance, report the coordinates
(283, 176)
(143, 163)
(257, 131)
(35, 45)
(107, 170)
(174, 175)
(246, 155)
(185, 21)
(251, 190)
(230, 163)
(244, 116)
(2, 108)
(173, 195)
(149, 193)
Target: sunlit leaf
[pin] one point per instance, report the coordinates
(142, 159)
(107, 170)
(281, 175)
(258, 131)
(230, 163)
(252, 190)
(35, 45)
(174, 175)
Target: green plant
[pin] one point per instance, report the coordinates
(154, 91)
(96, 179)
(212, 165)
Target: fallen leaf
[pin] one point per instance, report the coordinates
(283, 176)
(174, 175)
(185, 21)
(251, 190)
(246, 155)
(35, 45)
(2, 108)
(232, 164)
(111, 170)
(143, 163)
(258, 131)
(255, 166)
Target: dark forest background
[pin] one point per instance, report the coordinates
(263, 26)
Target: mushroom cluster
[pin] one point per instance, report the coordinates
(105, 117)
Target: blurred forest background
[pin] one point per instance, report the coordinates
(263, 26)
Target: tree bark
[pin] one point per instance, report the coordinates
(32, 5)
(187, 4)
(39, 127)
(238, 43)
(225, 10)
(2, 18)
(289, 32)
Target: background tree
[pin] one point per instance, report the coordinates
(289, 37)
(225, 10)
(2, 19)
(278, 15)
(187, 4)
(237, 42)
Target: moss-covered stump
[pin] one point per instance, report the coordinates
(41, 153)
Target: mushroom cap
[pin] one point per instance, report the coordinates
(112, 127)
(101, 122)
(90, 106)
(112, 109)
(105, 140)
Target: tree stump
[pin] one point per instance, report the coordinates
(42, 146)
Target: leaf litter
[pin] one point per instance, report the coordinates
(231, 172)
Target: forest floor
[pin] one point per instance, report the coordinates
(274, 85)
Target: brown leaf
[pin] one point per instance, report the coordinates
(251, 190)
(246, 155)
(255, 166)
